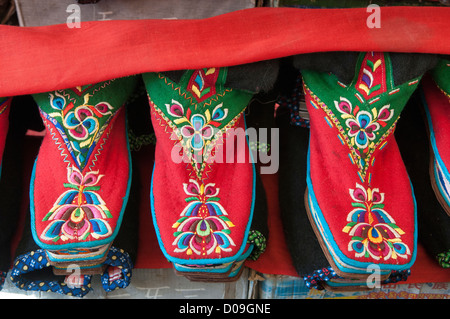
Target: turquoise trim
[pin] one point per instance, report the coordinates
(440, 182)
(215, 270)
(87, 244)
(346, 284)
(334, 247)
(235, 272)
(443, 169)
(209, 260)
(185, 269)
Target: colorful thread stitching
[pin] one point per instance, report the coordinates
(79, 211)
(204, 227)
(374, 232)
(84, 124)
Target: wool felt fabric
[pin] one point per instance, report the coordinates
(203, 202)
(413, 140)
(122, 258)
(192, 44)
(86, 128)
(258, 114)
(307, 256)
(31, 269)
(436, 95)
(191, 246)
(360, 214)
(434, 222)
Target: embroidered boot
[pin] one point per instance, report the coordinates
(306, 253)
(436, 92)
(32, 270)
(434, 222)
(359, 198)
(203, 184)
(82, 175)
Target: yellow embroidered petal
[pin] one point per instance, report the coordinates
(230, 224)
(175, 225)
(364, 88)
(210, 71)
(86, 98)
(202, 189)
(208, 116)
(374, 112)
(181, 120)
(195, 90)
(86, 143)
(346, 229)
(377, 64)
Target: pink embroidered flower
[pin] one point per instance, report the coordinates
(344, 106)
(196, 129)
(363, 125)
(197, 132)
(362, 128)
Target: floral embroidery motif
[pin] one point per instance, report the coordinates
(371, 79)
(197, 132)
(374, 233)
(81, 123)
(363, 125)
(79, 211)
(371, 128)
(204, 227)
(196, 129)
(202, 83)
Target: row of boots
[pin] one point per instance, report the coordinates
(356, 178)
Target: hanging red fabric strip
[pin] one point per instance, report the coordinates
(38, 59)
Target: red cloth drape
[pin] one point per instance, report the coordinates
(41, 59)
